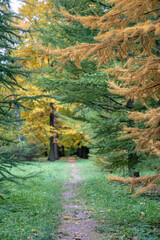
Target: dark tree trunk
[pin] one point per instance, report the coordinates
(51, 146)
(56, 149)
(45, 153)
(61, 151)
(132, 157)
(53, 152)
(82, 152)
(85, 152)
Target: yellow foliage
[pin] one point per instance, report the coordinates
(149, 182)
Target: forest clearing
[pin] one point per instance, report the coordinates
(79, 119)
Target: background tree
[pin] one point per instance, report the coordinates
(36, 60)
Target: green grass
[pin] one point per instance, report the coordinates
(121, 215)
(31, 209)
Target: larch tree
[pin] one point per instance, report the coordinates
(129, 32)
(87, 87)
(127, 43)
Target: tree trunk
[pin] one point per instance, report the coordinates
(53, 152)
(61, 151)
(17, 115)
(56, 148)
(51, 147)
(132, 157)
(82, 152)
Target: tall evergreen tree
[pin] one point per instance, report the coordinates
(10, 69)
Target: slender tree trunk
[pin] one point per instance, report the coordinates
(82, 152)
(53, 152)
(56, 148)
(132, 157)
(17, 115)
(51, 147)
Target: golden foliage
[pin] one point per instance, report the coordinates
(146, 138)
(126, 33)
(149, 183)
(36, 126)
(103, 162)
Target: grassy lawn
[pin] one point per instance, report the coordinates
(31, 208)
(121, 216)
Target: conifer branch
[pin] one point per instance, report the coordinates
(102, 4)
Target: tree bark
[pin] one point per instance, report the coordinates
(82, 152)
(56, 148)
(53, 151)
(51, 146)
(17, 115)
(132, 157)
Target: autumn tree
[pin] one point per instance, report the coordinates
(127, 43)
(37, 130)
(87, 88)
(128, 32)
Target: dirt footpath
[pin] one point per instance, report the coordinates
(77, 223)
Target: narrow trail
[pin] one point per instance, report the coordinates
(77, 223)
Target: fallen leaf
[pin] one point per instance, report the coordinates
(35, 230)
(142, 215)
(101, 211)
(77, 222)
(67, 218)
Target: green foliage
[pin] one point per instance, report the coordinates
(33, 209)
(10, 66)
(122, 217)
(19, 151)
(103, 113)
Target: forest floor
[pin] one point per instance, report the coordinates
(73, 200)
